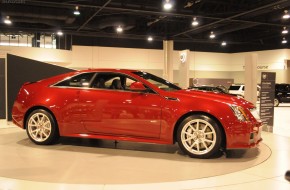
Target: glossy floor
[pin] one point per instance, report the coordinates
(266, 175)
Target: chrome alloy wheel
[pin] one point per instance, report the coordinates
(198, 136)
(39, 127)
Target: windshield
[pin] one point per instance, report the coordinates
(159, 82)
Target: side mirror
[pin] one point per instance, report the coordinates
(137, 86)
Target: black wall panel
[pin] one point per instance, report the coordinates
(21, 70)
(2, 90)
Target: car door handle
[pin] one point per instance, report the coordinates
(171, 98)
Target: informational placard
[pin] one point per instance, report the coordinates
(267, 95)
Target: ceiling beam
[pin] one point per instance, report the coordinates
(97, 12)
(116, 36)
(232, 17)
(186, 14)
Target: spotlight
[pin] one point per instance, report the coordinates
(284, 31)
(284, 41)
(194, 22)
(212, 35)
(150, 38)
(59, 33)
(7, 20)
(286, 15)
(76, 11)
(224, 43)
(119, 29)
(167, 5)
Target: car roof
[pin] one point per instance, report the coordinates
(109, 70)
(237, 85)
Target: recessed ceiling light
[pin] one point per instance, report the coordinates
(7, 20)
(224, 43)
(284, 41)
(76, 11)
(212, 35)
(167, 5)
(59, 33)
(119, 29)
(194, 22)
(284, 31)
(150, 38)
(286, 15)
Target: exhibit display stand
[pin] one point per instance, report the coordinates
(268, 81)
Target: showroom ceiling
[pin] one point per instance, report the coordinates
(244, 25)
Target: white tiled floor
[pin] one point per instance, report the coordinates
(267, 175)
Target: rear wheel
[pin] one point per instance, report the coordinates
(199, 136)
(276, 102)
(41, 127)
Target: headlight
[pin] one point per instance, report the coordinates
(239, 112)
(255, 113)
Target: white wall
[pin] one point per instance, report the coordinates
(272, 58)
(202, 64)
(106, 57)
(53, 56)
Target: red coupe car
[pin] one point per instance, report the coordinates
(135, 106)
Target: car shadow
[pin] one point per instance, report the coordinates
(133, 149)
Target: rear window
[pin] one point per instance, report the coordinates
(82, 80)
(234, 88)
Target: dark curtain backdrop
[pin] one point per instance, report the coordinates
(2, 90)
(21, 70)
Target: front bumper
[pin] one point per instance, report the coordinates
(248, 136)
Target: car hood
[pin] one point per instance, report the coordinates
(212, 96)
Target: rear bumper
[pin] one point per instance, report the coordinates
(18, 121)
(17, 115)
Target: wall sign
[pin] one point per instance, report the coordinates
(261, 67)
(267, 95)
(183, 56)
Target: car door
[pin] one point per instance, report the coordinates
(122, 112)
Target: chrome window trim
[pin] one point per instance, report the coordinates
(92, 79)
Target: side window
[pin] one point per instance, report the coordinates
(107, 80)
(81, 80)
(282, 88)
(128, 83)
(115, 83)
(279, 87)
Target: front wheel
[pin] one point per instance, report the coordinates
(199, 136)
(41, 127)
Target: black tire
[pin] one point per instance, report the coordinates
(192, 139)
(41, 127)
(276, 102)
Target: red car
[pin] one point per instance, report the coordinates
(135, 106)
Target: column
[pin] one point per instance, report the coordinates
(36, 40)
(168, 60)
(287, 68)
(251, 77)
